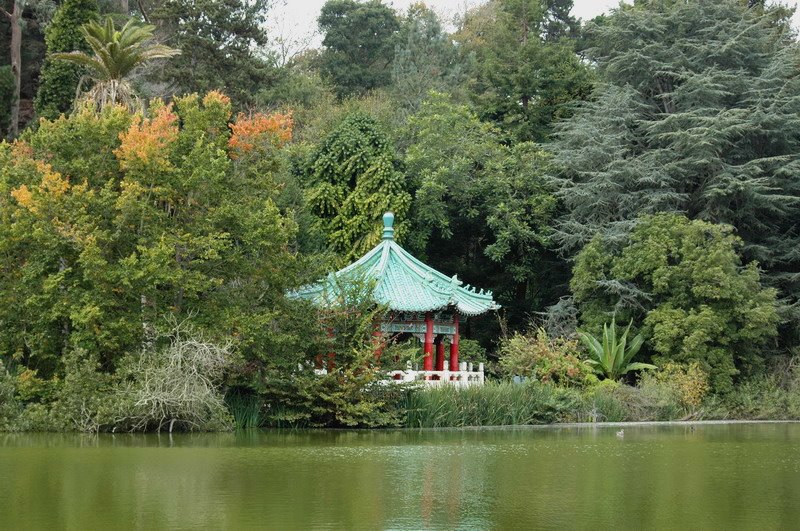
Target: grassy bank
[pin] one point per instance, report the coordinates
(497, 404)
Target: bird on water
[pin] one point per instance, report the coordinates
(621, 434)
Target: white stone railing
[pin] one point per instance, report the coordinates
(464, 377)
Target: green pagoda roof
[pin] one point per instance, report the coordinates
(402, 283)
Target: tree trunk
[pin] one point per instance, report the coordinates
(14, 19)
(124, 7)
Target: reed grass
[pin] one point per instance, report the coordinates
(493, 404)
(246, 409)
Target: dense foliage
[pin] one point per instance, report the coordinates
(220, 43)
(353, 179)
(359, 44)
(58, 81)
(685, 281)
(638, 168)
(696, 113)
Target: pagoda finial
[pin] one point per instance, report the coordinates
(388, 226)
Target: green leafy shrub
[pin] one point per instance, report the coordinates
(471, 351)
(685, 281)
(548, 360)
(352, 398)
(83, 399)
(31, 388)
(688, 381)
(9, 406)
(352, 392)
(767, 396)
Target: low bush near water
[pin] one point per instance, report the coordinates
(549, 360)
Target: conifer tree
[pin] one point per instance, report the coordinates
(425, 59)
(524, 72)
(697, 113)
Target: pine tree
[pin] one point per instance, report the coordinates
(425, 59)
(58, 80)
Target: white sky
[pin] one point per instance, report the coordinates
(297, 19)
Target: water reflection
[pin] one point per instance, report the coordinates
(731, 476)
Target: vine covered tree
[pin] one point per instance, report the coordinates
(354, 179)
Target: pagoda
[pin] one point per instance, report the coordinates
(421, 301)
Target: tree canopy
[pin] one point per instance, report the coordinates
(696, 113)
(358, 46)
(685, 281)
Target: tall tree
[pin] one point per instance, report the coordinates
(524, 71)
(358, 45)
(425, 58)
(353, 179)
(481, 208)
(58, 80)
(698, 113)
(222, 45)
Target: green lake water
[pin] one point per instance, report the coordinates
(739, 476)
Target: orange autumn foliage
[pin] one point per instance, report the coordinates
(145, 142)
(216, 97)
(53, 184)
(24, 197)
(250, 132)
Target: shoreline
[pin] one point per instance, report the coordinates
(569, 425)
(613, 424)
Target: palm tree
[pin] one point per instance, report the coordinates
(117, 53)
(612, 356)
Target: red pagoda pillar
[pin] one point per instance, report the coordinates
(427, 361)
(440, 354)
(454, 345)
